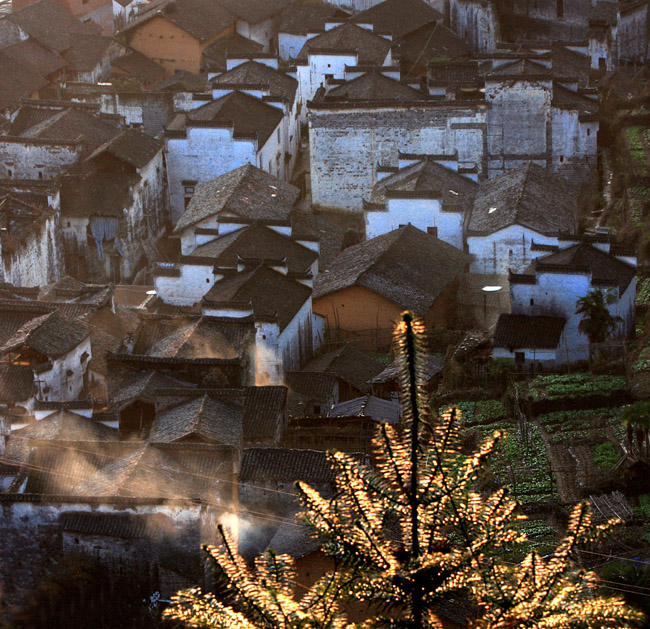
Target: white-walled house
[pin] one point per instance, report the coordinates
(58, 351)
(427, 192)
(553, 283)
(217, 138)
(511, 213)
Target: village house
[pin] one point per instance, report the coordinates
(515, 215)
(220, 136)
(100, 12)
(30, 236)
(369, 284)
(298, 20)
(174, 33)
(57, 349)
(428, 192)
(90, 58)
(554, 282)
(262, 78)
(215, 57)
(310, 393)
(119, 204)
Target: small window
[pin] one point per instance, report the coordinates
(207, 280)
(520, 358)
(84, 357)
(40, 174)
(532, 302)
(10, 174)
(588, 131)
(561, 158)
(188, 189)
(317, 409)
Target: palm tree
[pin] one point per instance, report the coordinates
(597, 321)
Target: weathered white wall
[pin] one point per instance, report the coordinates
(476, 22)
(26, 158)
(187, 289)
(63, 386)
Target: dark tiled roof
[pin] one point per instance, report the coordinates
(330, 235)
(16, 383)
(216, 420)
(604, 12)
(348, 364)
(140, 386)
(518, 331)
(398, 17)
(51, 334)
(300, 19)
(432, 366)
(570, 63)
(369, 406)
(252, 73)
(108, 330)
(454, 73)
(139, 65)
(606, 269)
(431, 42)
(183, 81)
(279, 464)
(259, 242)
(50, 24)
(520, 67)
(429, 176)
(35, 56)
(215, 55)
(202, 19)
(255, 11)
(564, 98)
(371, 49)
(17, 81)
(96, 194)
(87, 52)
(529, 196)
(131, 146)
(374, 86)
(72, 124)
(294, 539)
(307, 389)
(122, 525)
(247, 114)
(264, 408)
(29, 116)
(270, 292)
(396, 266)
(247, 192)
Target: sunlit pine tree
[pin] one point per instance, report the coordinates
(408, 533)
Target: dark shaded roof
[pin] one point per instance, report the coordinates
(516, 331)
(570, 63)
(202, 19)
(568, 99)
(140, 386)
(271, 293)
(300, 19)
(330, 235)
(72, 124)
(17, 81)
(368, 406)
(349, 365)
(464, 73)
(247, 114)
(50, 24)
(529, 196)
(371, 49)
(396, 266)
(108, 331)
(280, 85)
(264, 409)
(131, 146)
(96, 194)
(248, 192)
(606, 269)
(216, 54)
(374, 86)
(280, 464)
(139, 65)
(29, 116)
(432, 366)
(16, 383)
(51, 334)
(313, 384)
(214, 419)
(38, 58)
(604, 12)
(431, 42)
(429, 176)
(201, 338)
(255, 11)
(86, 52)
(258, 242)
(122, 525)
(294, 539)
(398, 17)
(183, 81)
(520, 67)
(62, 425)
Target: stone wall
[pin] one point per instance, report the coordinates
(29, 158)
(476, 22)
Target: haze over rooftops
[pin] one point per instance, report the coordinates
(248, 192)
(529, 196)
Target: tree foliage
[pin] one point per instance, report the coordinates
(410, 532)
(597, 321)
